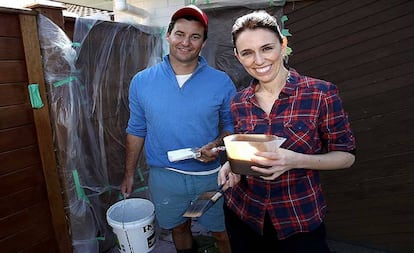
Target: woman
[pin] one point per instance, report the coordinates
(283, 211)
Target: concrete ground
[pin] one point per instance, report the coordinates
(165, 244)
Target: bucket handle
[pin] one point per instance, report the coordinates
(123, 223)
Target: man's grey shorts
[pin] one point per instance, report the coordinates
(172, 192)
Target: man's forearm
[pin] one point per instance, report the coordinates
(134, 146)
(219, 140)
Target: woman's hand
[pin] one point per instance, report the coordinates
(226, 177)
(279, 162)
(283, 160)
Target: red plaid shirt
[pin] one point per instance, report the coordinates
(310, 115)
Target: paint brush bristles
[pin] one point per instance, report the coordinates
(203, 203)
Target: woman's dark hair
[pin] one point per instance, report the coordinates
(254, 20)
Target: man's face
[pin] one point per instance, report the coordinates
(186, 40)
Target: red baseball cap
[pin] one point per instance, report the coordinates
(192, 11)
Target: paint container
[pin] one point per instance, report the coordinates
(133, 222)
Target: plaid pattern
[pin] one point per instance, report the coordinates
(310, 115)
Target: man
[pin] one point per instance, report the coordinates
(179, 103)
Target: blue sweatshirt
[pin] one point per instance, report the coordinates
(170, 117)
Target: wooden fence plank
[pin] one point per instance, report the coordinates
(44, 133)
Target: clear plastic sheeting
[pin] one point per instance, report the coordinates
(87, 82)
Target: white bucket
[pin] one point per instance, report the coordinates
(132, 221)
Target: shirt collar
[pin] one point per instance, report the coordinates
(291, 85)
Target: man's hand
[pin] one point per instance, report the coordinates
(208, 153)
(126, 186)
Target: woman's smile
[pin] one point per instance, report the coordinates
(263, 70)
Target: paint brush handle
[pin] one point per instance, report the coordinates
(217, 195)
(219, 148)
(183, 154)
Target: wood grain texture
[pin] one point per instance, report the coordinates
(366, 49)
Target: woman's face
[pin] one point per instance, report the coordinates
(260, 53)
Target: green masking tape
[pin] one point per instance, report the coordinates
(76, 44)
(286, 32)
(140, 189)
(34, 95)
(79, 190)
(280, 2)
(64, 81)
(141, 176)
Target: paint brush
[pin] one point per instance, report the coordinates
(188, 153)
(183, 154)
(199, 206)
